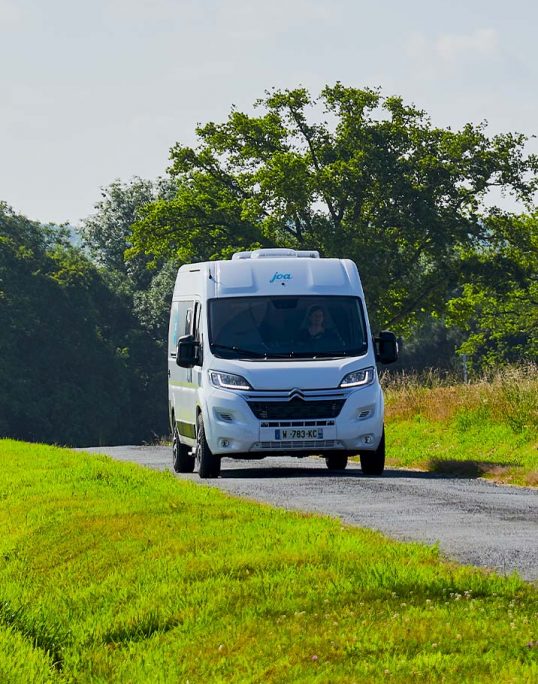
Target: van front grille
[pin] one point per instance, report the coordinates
(296, 409)
(297, 423)
(296, 444)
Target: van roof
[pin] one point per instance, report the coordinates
(270, 273)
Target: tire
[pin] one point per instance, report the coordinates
(208, 464)
(373, 462)
(336, 461)
(182, 460)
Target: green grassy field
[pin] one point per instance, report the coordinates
(485, 429)
(113, 573)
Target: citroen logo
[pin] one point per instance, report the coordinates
(296, 393)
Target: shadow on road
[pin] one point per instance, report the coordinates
(248, 472)
(470, 469)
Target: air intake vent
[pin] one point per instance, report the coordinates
(296, 409)
(296, 444)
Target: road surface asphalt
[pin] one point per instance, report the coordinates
(473, 521)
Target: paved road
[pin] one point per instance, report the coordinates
(475, 522)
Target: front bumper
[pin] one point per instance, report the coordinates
(232, 428)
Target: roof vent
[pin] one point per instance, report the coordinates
(277, 254)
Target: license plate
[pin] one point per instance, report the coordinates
(299, 433)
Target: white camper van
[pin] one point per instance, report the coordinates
(270, 353)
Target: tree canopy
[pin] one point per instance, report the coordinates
(75, 367)
(107, 236)
(497, 306)
(351, 173)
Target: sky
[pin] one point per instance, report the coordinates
(95, 91)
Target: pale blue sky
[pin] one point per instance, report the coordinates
(93, 91)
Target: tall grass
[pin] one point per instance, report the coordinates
(508, 396)
(493, 420)
(113, 573)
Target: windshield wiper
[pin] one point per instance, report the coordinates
(322, 354)
(298, 355)
(280, 355)
(244, 352)
(338, 354)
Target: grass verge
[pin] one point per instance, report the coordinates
(113, 573)
(485, 429)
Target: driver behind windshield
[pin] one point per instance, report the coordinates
(286, 326)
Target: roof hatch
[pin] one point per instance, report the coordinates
(277, 254)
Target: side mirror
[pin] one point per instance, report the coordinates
(187, 351)
(386, 347)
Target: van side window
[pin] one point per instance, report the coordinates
(180, 323)
(173, 329)
(189, 320)
(197, 332)
(197, 317)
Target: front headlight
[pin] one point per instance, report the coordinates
(228, 381)
(359, 378)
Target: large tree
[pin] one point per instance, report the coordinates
(75, 367)
(351, 173)
(106, 235)
(497, 306)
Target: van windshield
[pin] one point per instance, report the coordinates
(287, 327)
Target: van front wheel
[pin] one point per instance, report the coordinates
(208, 464)
(373, 462)
(182, 460)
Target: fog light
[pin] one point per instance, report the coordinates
(224, 443)
(367, 439)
